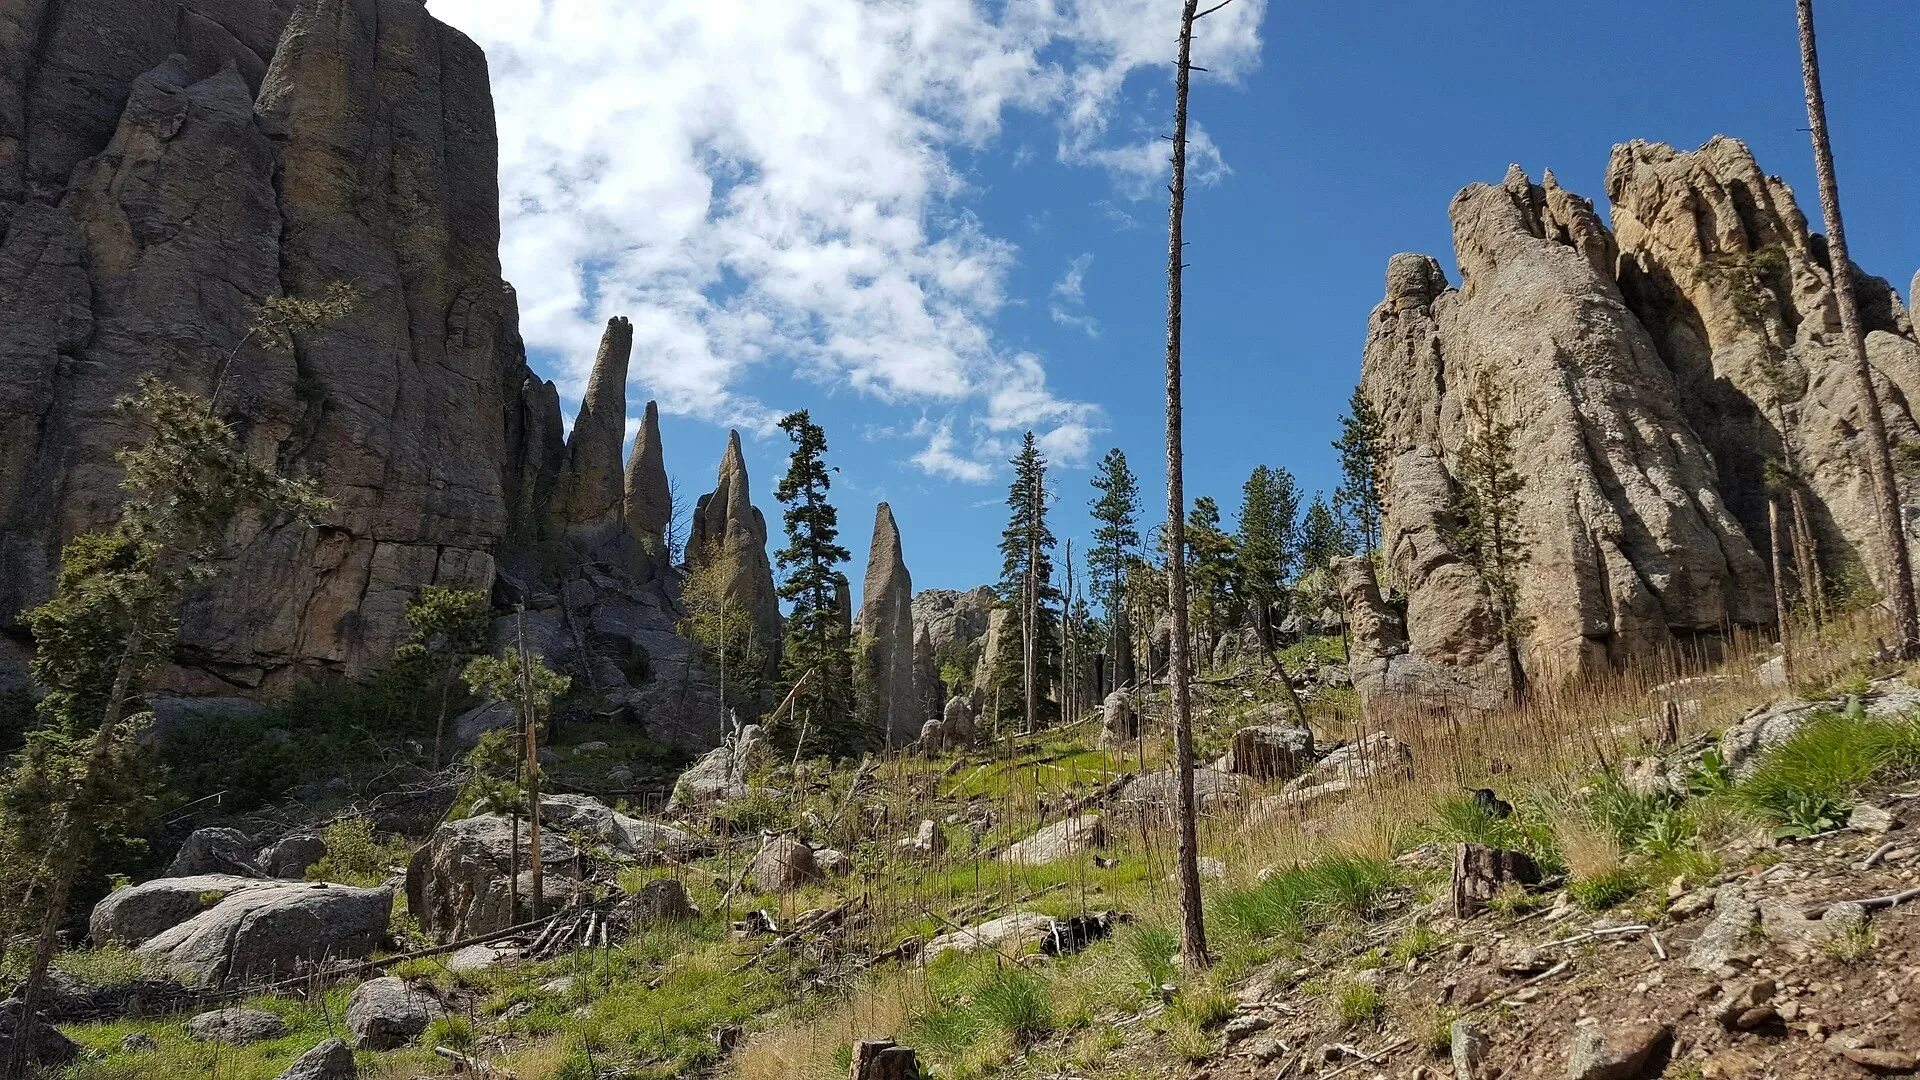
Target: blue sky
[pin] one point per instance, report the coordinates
(1010, 269)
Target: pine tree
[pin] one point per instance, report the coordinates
(1210, 567)
(1321, 537)
(1357, 499)
(1489, 530)
(448, 625)
(1116, 537)
(112, 619)
(1269, 547)
(816, 639)
(1026, 575)
(1886, 489)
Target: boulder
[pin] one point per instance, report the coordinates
(236, 1027)
(832, 861)
(885, 626)
(1022, 931)
(1726, 943)
(952, 618)
(1269, 752)
(215, 851)
(1158, 793)
(458, 883)
(959, 722)
(290, 857)
(1622, 1050)
(721, 774)
(272, 932)
(783, 863)
(1119, 720)
(1060, 840)
(933, 738)
(331, 1060)
(475, 722)
(1745, 743)
(131, 915)
(662, 900)
(927, 842)
(594, 819)
(48, 1046)
(1376, 755)
(483, 956)
(387, 1013)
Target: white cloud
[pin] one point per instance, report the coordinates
(760, 183)
(1067, 300)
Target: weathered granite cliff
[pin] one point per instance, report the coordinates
(1650, 376)
(169, 168)
(728, 531)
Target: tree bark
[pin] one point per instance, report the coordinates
(1899, 576)
(534, 862)
(1193, 930)
(882, 1059)
(1776, 538)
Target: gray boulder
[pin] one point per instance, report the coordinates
(272, 932)
(721, 774)
(215, 851)
(291, 857)
(131, 915)
(1617, 1051)
(1743, 744)
(236, 1027)
(48, 1048)
(1018, 932)
(1058, 841)
(386, 1013)
(459, 884)
(663, 900)
(626, 835)
(1269, 752)
(783, 863)
(331, 1060)
(475, 722)
(1120, 721)
(1157, 793)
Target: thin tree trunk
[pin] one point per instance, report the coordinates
(534, 862)
(1776, 537)
(1193, 930)
(1030, 625)
(440, 725)
(1813, 585)
(1899, 576)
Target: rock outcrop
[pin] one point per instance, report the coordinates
(885, 628)
(952, 618)
(729, 533)
(1648, 377)
(274, 931)
(168, 167)
(648, 494)
(462, 882)
(589, 499)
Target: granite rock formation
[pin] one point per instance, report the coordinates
(648, 495)
(885, 629)
(728, 531)
(588, 501)
(1650, 374)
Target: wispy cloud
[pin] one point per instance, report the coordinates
(1067, 300)
(774, 185)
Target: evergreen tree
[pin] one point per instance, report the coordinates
(1210, 568)
(1321, 537)
(1116, 536)
(817, 641)
(1486, 509)
(74, 787)
(1269, 546)
(1358, 497)
(1026, 576)
(448, 625)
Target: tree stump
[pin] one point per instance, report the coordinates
(1480, 872)
(881, 1059)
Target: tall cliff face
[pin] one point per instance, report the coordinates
(167, 166)
(1651, 372)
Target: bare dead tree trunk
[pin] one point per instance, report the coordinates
(534, 862)
(1067, 687)
(1030, 618)
(1813, 585)
(1899, 575)
(1776, 538)
(1193, 929)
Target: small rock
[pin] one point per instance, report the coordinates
(1469, 1050)
(138, 1043)
(291, 856)
(1727, 940)
(480, 957)
(331, 1060)
(1513, 958)
(1240, 1027)
(832, 861)
(928, 842)
(236, 1027)
(593, 747)
(1745, 1005)
(1871, 819)
(783, 864)
(663, 900)
(1886, 1061)
(1686, 905)
(559, 987)
(1619, 1051)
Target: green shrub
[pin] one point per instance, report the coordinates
(1461, 820)
(1305, 898)
(1015, 1002)
(356, 855)
(1358, 1004)
(1154, 949)
(1808, 783)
